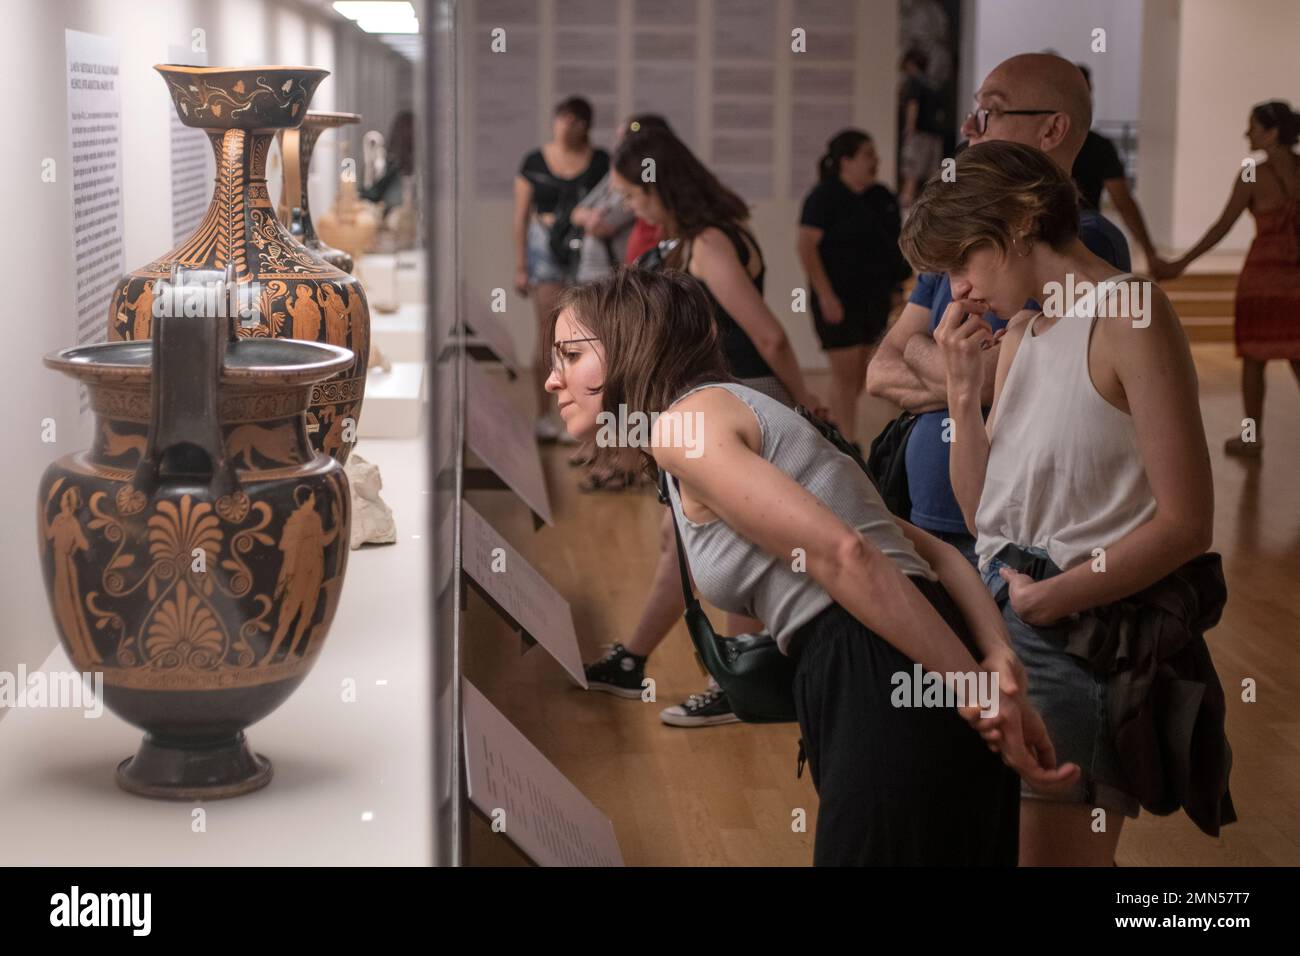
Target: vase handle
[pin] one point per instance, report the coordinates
(189, 353)
(293, 184)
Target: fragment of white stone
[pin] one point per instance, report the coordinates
(372, 519)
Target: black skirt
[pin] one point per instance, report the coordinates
(865, 320)
(897, 786)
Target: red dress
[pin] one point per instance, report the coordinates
(643, 238)
(1268, 290)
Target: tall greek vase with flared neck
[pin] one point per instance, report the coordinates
(241, 261)
(297, 146)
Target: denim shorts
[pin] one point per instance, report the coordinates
(1073, 704)
(542, 266)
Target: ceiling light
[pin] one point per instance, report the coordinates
(380, 16)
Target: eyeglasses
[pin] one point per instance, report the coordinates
(981, 115)
(558, 360)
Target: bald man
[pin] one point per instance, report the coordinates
(1043, 101)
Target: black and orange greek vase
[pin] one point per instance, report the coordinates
(297, 146)
(194, 554)
(280, 289)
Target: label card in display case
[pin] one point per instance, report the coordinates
(192, 164)
(95, 157)
(502, 436)
(519, 592)
(525, 798)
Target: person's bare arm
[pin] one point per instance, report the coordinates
(523, 203)
(1154, 366)
(765, 506)
(611, 220)
(811, 260)
(908, 368)
(890, 377)
(1236, 205)
(1128, 210)
(968, 456)
(925, 359)
(714, 262)
(962, 582)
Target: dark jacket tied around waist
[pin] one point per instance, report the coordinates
(1166, 705)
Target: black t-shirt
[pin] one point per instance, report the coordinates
(859, 244)
(1097, 162)
(929, 117)
(548, 188)
(743, 357)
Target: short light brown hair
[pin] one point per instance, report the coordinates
(999, 190)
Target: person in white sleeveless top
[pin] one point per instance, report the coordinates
(781, 525)
(1090, 479)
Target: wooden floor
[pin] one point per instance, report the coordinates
(726, 796)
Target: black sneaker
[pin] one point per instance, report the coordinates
(619, 672)
(700, 710)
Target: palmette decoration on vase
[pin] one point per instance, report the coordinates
(297, 147)
(195, 553)
(278, 287)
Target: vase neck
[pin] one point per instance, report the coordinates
(241, 156)
(241, 207)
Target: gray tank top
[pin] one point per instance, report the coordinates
(737, 576)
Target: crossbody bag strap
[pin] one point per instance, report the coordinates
(682, 566)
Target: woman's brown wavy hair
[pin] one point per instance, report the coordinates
(687, 188)
(659, 337)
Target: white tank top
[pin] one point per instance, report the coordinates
(1064, 470)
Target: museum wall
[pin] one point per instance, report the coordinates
(35, 246)
(1004, 28)
(870, 42)
(1215, 91)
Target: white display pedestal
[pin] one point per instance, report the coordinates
(351, 784)
(392, 279)
(410, 276)
(394, 405)
(400, 335)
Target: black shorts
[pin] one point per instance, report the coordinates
(864, 322)
(897, 786)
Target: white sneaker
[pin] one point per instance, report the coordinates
(701, 710)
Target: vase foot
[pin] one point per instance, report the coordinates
(211, 771)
